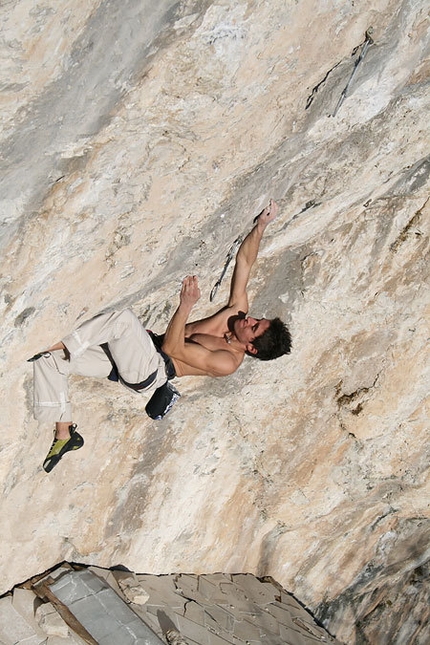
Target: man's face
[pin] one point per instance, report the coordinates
(248, 329)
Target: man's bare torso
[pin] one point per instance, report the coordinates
(213, 333)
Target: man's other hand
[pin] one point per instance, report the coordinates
(268, 214)
(190, 291)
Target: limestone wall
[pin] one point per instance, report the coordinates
(77, 605)
(138, 141)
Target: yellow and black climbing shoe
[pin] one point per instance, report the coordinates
(61, 446)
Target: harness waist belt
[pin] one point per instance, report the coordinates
(116, 376)
(140, 386)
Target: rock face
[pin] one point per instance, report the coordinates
(139, 140)
(104, 606)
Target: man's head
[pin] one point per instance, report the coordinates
(273, 341)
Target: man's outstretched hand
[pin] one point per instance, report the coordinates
(190, 291)
(267, 215)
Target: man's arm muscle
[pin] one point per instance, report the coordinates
(202, 360)
(218, 362)
(246, 257)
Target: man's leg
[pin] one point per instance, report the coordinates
(51, 391)
(129, 343)
(51, 404)
(61, 427)
(51, 394)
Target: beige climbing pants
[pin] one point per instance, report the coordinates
(130, 346)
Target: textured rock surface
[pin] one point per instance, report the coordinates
(138, 140)
(94, 605)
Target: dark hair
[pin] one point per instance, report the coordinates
(275, 342)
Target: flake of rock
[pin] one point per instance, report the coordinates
(50, 621)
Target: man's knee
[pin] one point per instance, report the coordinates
(129, 318)
(122, 323)
(51, 365)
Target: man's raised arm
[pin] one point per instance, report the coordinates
(246, 257)
(198, 359)
(174, 338)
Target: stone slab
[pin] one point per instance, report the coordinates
(13, 627)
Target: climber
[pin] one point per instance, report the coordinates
(115, 345)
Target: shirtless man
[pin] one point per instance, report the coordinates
(115, 345)
(216, 346)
